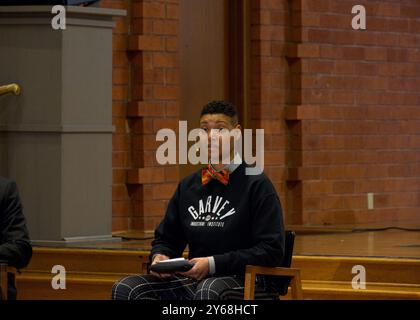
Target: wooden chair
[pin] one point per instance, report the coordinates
(5, 271)
(287, 276)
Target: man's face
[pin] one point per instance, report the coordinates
(217, 126)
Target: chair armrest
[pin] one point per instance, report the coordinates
(272, 271)
(252, 271)
(4, 266)
(4, 270)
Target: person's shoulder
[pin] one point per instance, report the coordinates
(6, 187)
(4, 182)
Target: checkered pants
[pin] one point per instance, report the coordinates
(150, 287)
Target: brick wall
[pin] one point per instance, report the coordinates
(340, 108)
(122, 210)
(269, 76)
(145, 99)
(355, 116)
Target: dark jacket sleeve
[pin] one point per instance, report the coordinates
(15, 246)
(169, 236)
(267, 234)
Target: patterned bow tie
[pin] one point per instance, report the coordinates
(209, 173)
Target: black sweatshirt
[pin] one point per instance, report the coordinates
(237, 224)
(15, 246)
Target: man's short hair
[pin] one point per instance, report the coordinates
(223, 107)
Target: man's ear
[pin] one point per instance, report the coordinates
(238, 127)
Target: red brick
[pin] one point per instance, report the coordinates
(275, 173)
(353, 53)
(378, 54)
(164, 60)
(146, 42)
(388, 39)
(149, 9)
(119, 109)
(119, 92)
(302, 112)
(121, 208)
(156, 75)
(171, 44)
(120, 159)
(120, 142)
(312, 203)
(121, 26)
(166, 93)
(260, 17)
(410, 11)
(343, 187)
(309, 19)
(120, 224)
(172, 76)
(317, 66)
(307, 51)
(119, 59)
(113, 4)
(265, 48)
(145, 175)
(272, 4)
(163, 191)
(154, 208)
(315, 6)
(120, 125)
(119, 42)
(149, 142)
(146, 109)
(172, 109)
(172, 11)
(165, 124)
(149, 158)
(320, 36)
(141, 26)
(118, 176)
(120, 192)
(165, 27)
(268, 33)
(388, 9)
(333, 21)
(172, 174)
(120, 76)
(328, 51)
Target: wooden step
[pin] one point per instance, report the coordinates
(382, 270)
(342, 290)
(78, 287)
(90, 274)
(89, 260)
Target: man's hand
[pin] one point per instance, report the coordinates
(160, 257)
(200, 270)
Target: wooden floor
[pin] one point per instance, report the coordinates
(392, 243)
(391, 258)
(385, 244)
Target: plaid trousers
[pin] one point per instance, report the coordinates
(150, 287)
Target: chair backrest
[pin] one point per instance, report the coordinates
(289, 243)
(7, 282)
(3, 281)
(282, 283)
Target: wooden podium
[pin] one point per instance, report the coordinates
(56, 136)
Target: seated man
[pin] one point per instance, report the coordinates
(228, 220)
(15, 246)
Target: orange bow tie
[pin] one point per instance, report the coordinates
(209, 173)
